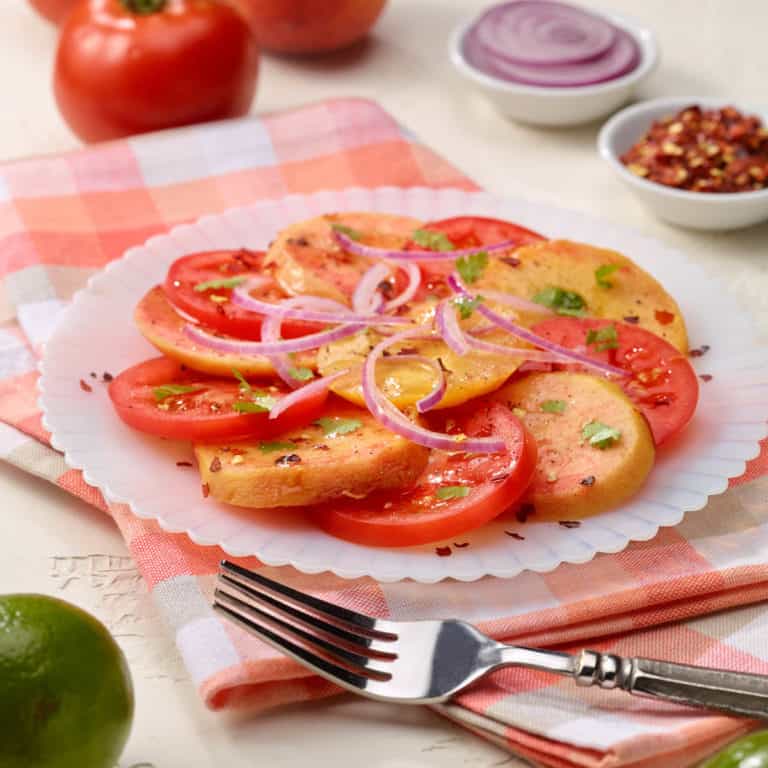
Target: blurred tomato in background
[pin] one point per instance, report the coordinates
(310, 26)
(130, 66)
(53, 10)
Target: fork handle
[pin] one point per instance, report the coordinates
(735, 692)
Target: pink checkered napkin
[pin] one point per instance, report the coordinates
(692, 594)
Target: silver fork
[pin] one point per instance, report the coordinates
(425, 662)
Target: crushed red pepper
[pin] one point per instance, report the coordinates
(712, 150)
(85, 386)
(443, 551)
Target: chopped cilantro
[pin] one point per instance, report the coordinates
(451, 492)
(466, 306)
(433, 241)
(270, 446)
(472, 266)
(352, 234)
(301, 373)
(260, 402)
(553, 406)
(600, 435)
(603, 272)
(224, 282)
(335, 425)
(561, 301)
(603, 338)
(169, 390)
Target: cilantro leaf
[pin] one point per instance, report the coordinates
(333, 426)
(169, 390)
(603, 272)
(261, 402)
(472, 266)
(554, 406)
(342, 229)
(244, 385)
(433, 241)
(466, 306)
(301, 373)
(563, 302)
(452, 492)
(270, 446)
(225, 282)
(603, 338)
(600, 435)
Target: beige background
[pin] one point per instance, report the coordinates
(50, 542)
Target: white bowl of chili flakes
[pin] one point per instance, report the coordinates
(676, 172)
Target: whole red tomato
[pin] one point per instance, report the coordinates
(53, 10)
(129, 66)
(310, 26)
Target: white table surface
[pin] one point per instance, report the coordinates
(50, 542)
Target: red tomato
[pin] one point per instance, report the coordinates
(492, 482)
(203, 415)
(307, 26)
(190, 271)
(53, 10)
(120, 72)
(467, 232)
(663, 384)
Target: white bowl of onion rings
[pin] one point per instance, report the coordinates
(548, 63)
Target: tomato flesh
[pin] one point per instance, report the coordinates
(663, 384)
(204, 415)
(494, 482)
(213, 307)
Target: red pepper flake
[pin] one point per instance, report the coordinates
(184, 464)
(385, 288)
(206, 489)
(289, 460)
(107, 377)
(663, 317)
(588, 480)
(215, 464)
(700, 352)
(93, 375)
(569, 523)
(462, 545)
(524, 511)
(85, 386)
(705, 377)
(443, 551)
(632, 319)
(510, 261)
(514, 535)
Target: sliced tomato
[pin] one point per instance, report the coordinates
(205, 413)
(213, 306)
(475, 487)
(663, 384)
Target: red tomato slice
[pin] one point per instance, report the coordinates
(203, 415)
(663, 384)
(467, 232)
(491, 484)
(213, 307)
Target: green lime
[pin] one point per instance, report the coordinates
(750, 751)
(66, 699)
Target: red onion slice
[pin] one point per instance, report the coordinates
(390, 417)
(533, 355)
(536, 33)
(268, 349)
(366, 296)
(414, 281)
(298, 395)
(508, 299)
(270, 332)
(371, 252)
(310, 309)
(450, 330)
(429, 401)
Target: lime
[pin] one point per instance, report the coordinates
(751, 751)
(66, 699)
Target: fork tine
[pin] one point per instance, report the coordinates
(338, 655)
(323, 666)
(319, 628)
(327, 610)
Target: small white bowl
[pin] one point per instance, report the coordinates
(539, 105)
(697, 210)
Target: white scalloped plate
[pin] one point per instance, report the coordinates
(96, 333)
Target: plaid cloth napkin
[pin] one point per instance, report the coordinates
(691, 594)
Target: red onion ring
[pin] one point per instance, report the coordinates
(390, 417)
(303, 308)
(450, 330)
(536, 340)
(508, 299)
(366, 297)
(270, 332)
(268, 349)
(371, 252)
(435, 395)
(533, 355)
(414, 281)
(289, 400)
